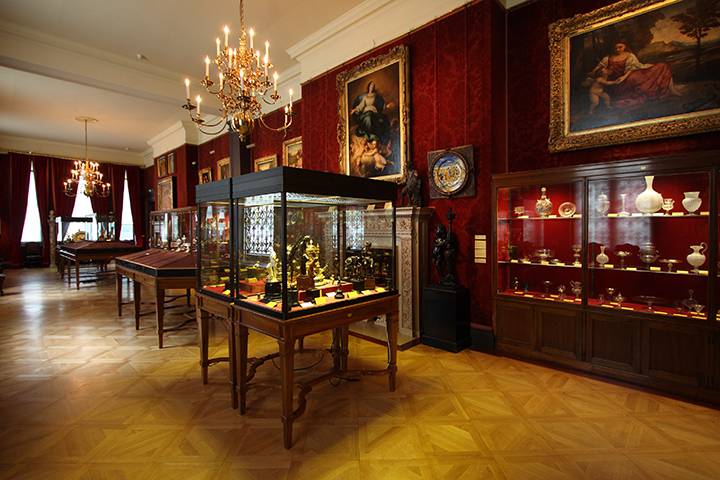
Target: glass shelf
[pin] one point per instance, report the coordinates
(703, 273)
(548, 218)
(538, 264)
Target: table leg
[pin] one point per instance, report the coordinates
(77, 274)
(160, 313)
(391, 323)
(136, 303)
(69, 274)
(344, 347)
(336, 348)
(287, 347)
(118, 288)
(203, 339)
(238, 365)
(187, 296)
(61, 267)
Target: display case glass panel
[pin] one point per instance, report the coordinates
(89, 228)
(539, 241)
(174, 230)
(648, 242)
(215, 247)
(297, 251)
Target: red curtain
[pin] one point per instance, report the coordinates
(134, 176)
(42, 180)
(20, 176)
(103, 206)
(59, 172)
(117, 180)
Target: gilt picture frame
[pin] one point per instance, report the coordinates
(223, 168)
(633, 71)
(265, 163)
(205, 175)
(373, 113)
(292, 152)
(161, 165)
(166, 193)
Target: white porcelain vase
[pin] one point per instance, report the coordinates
(697, 257)
(602, 257)
(692, 201)
(649, 201)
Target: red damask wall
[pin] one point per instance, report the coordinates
(456, 98)
(268, 142)
(529, 95)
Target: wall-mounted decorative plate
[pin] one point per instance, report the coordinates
(451, 172)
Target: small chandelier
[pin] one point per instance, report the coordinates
(88, 171)
(243, 84)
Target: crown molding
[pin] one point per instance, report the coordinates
(371, 23)
(42, 146)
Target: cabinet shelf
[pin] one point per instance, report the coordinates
(550, 218)
(703, 273)
(538, 264)
(635, 216)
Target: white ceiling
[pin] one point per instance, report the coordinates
(41, 92)
(63, 58)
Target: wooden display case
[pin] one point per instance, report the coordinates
(601, 280)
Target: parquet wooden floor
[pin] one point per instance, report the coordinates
(85, 396)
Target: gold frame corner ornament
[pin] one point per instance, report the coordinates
(560, 138)
(400, 54)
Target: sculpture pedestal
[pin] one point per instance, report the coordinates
(446, 317)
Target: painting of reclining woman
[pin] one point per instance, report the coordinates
(373, 117)
(655, 66)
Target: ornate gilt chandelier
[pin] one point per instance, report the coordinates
(88, 171)
(242, 85)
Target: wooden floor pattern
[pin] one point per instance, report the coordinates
(83, 395)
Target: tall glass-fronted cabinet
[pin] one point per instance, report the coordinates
(214, 237)
(614, 268)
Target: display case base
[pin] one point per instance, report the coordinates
(446, 317)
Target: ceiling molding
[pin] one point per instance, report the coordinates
(36, 52)
(41, 146)
(361, 29)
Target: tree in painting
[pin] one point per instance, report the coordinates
(697, 21)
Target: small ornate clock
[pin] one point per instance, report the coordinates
(451, 172)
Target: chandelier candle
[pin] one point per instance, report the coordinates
(242, 88)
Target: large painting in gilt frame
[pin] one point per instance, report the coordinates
(635, 70)
(373, 114)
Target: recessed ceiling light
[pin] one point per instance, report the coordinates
(127, 148)
(141, 57)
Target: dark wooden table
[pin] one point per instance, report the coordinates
(159, 270)
(101, 253)
(207, 307)
(286, 332)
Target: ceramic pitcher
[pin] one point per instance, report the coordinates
(697, 257)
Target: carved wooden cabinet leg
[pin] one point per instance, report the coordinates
(344, 347)
(391, 323)
(203, 338)
(336, 348)
(287, 353)
(160, 313)
(136, 303)
(77, 274)
(118, 289)
(238, 365)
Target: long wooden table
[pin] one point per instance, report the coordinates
(75, 253)
(206, 307)
(286, 332)
(159, 270)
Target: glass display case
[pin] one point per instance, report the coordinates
(643, 244)
(214, 236)
(302, 241)
(174, 230)
(93, 227)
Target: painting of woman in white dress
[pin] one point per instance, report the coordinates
(645, 64)
(372, 117)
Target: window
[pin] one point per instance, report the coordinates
(126, 230)
(32, 232)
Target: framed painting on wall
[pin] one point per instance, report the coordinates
(171, 163)
(223, 168)
(292, 152)
(166, 193)
(373, 117)
(162, 166)
(205, 175)
(634, 70)
(265, 163)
